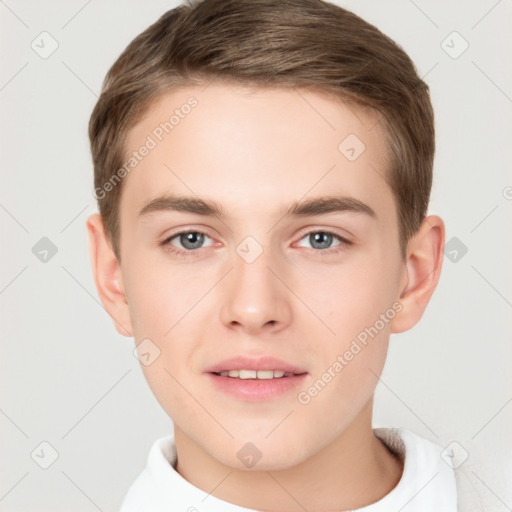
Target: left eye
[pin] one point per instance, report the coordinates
(192, 240)
(322, 240)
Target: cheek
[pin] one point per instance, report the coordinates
(359, 309)
(352, 300)
(167, 318)
(165, 305)
(341, 387)
(161, 297)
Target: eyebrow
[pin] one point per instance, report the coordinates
(316, 206)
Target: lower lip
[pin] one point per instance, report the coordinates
(257, 389)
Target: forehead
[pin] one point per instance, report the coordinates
(255, 147)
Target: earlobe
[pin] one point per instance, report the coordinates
(421, 273)
(107, 276)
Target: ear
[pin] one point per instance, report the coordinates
(422, 269)
(107, 276)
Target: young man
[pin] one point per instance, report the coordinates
(263, 171)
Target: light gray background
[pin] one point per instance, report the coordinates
(68, 378)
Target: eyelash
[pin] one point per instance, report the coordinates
(194, 252)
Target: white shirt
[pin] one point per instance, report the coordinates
(427, 484)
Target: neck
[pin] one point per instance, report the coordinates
(353, 471)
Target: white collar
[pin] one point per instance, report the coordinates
(427, 483)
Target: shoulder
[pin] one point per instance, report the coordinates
(434, 467)
(146, 490)
(428, 479)
(160, 488)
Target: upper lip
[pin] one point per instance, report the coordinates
(260, 363)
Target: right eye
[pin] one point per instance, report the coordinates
(190, 241)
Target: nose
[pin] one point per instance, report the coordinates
(254, 298)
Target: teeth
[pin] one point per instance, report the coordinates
(253, 374)
(246, 374)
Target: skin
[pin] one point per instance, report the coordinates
(255, 151)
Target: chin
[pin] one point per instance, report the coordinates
(255, 453)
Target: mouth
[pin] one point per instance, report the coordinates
(254, 380)
(255, 374)
(245, 367)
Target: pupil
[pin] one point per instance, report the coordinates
(195, 239)
(317, 237)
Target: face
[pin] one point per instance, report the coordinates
(253, 280)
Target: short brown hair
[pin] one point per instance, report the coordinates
(306, 44)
